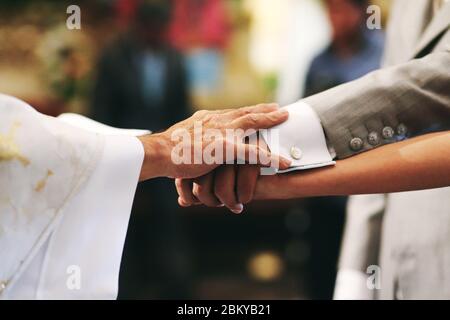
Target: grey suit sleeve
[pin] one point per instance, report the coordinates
(414, 96)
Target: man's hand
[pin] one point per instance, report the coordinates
(159, 148)
(229, 185)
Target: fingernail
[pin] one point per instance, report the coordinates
(238, 208)
(283, 112)
(220, 205)
(183, 203)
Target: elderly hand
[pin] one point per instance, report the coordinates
(208, 139)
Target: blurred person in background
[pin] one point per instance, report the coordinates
(141, 83)
(201, 28)
(353, 52)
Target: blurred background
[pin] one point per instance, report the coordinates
(148, 64)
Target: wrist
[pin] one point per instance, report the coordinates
(267, 187)
(157, 156)
(281, 186)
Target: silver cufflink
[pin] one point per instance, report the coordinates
(296, 153)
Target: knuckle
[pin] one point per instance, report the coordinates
(197, 191)
(251, 118)
(201, 189)
(215, 117)
(200, 113)
(207, 117)
(246, 110)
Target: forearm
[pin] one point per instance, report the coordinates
(420, 163)
(414, 94)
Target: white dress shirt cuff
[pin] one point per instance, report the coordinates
(300, 139)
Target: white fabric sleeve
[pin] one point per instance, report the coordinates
(352, 285)
(89, 240)
(300, 139)
(43, 164)
(81, 258)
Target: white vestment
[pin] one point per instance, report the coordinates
(66, 190)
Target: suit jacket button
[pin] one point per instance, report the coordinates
(388, 133)
(356, 144)
(296, 153)
(373, 138)
(401, 129)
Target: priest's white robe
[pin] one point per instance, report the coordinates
(66, 190)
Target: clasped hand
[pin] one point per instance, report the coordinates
(179, 152)
(228, 185)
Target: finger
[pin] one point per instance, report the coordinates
(221, 111)
(259, 108)
(224, 188)
(260, 120)
(203, 189)
(184, 189)
(254, 154)
(247, 176)
(201, 114)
